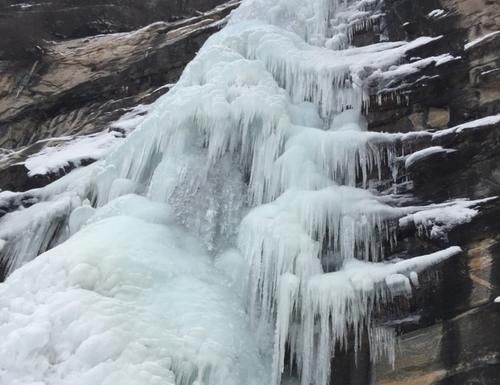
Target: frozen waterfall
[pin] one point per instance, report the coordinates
(234, 234)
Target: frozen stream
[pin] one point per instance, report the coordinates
(232, 226)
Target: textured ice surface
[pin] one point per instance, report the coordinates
(29, 231)
(231, 230)
(125, 300)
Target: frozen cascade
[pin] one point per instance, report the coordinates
(232, 229)
(44, 219)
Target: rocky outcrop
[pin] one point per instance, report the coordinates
(78, 87)
(450, 338)
(70, 19)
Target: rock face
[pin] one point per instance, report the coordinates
(77, 87)
(69, 19)
(454, 341)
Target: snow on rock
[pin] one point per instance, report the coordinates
(446, 58)
(480, 39)
(398, 71)
(133, 118)
(422, 154)
(437, 13)
(406, 69)
(478, 123)
(437, 220)
(74, 150)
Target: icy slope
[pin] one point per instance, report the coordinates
(233, 226)
(127, 300)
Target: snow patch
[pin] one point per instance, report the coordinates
(437, 13)
(407, 69)
(435, 221)
(480, 39)
(478, 123)
(426, 152)
(71, 153)
(74, 150)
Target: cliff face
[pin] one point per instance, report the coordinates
(78, 85)
(453, 340)
(70, 19)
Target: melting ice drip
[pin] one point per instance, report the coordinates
(261, 153)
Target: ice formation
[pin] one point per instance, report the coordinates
(232, 235)
(126, 300)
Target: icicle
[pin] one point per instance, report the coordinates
(382, 344)
(287, 303)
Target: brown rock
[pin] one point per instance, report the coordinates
(418, 120)
(438, 117)
(79, 86)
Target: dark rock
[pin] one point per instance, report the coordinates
(70, 19)
(453, 340)
(472, 170)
